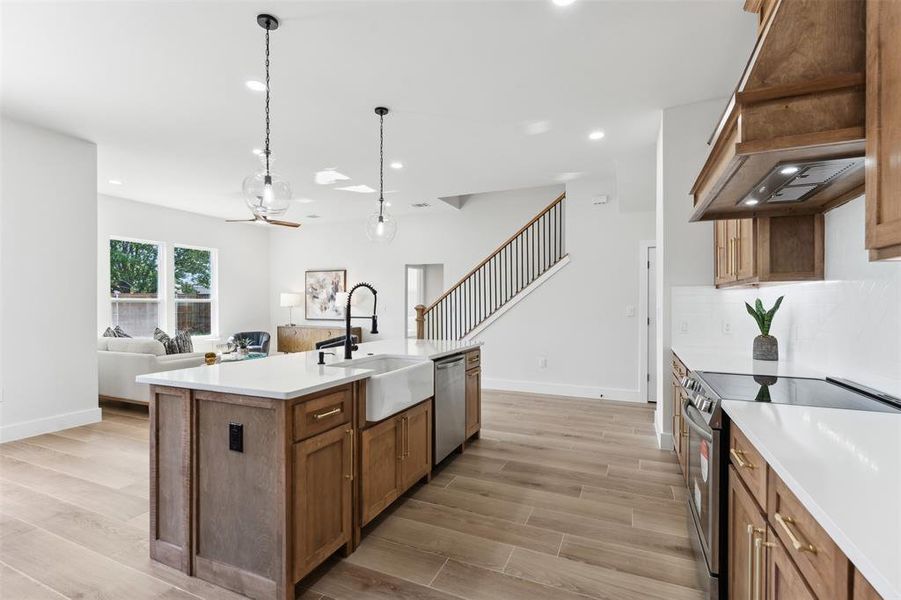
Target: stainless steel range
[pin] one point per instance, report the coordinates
(707, 456)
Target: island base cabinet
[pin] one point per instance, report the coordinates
(473, 401)
(396, 453)
(323, 475)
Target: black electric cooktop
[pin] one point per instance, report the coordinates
(795, 390)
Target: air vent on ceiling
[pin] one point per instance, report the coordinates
(796, 182)
(421, 205)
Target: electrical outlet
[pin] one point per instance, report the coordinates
(727, 327)
(630, 310)
(542, 362)
(236, 437)
(683, 327)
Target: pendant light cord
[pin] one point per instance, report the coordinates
(381, 164)
(267, 101)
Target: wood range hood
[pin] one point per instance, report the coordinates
(792, 138)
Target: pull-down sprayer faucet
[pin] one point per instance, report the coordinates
(349, 346)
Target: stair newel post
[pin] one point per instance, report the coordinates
(420, 321)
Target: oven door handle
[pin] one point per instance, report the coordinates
(688, 410)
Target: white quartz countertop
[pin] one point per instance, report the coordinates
(703, 359)
(286, 376)
(845, 468)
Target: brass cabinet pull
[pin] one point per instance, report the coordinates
(759, 581)
(739, 457)
(328, 413)
(350, 475)
(787, 524)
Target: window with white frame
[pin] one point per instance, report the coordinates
(194, 294)
(135, 284)
(153, 284)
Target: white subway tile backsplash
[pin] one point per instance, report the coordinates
(848, 326)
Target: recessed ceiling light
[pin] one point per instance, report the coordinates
(752, 201)
(256, 86)
(329, 176)
(789, 170)
(596, 135)
(115, 182)
(257, 151)
(563, 2)
(397, 165)
(537, 127)
(360, 189)
(387, 203)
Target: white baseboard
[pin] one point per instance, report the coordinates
(561, 389)
(664, 439)
(26, 429)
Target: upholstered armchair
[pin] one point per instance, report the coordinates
(259, 340)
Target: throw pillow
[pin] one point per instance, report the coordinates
(168, 343)
(109, 333)
(120, 332)
(183, 341)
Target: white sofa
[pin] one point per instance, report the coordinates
(120, 360)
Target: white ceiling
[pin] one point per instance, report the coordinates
(159, 86)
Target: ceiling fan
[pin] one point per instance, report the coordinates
(264, 219)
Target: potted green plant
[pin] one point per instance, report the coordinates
(243, 345)
(766, 347)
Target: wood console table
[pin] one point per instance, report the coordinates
(303, 338)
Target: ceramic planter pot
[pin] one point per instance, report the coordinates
(766, 347)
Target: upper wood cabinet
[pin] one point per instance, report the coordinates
(799, 103)
(883, 171)
(768, 249)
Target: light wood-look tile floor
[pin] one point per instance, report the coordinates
(560, 499)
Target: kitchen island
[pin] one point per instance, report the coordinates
(260, 470)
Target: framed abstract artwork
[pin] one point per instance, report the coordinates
(321, 291)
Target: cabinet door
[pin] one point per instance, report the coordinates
(883, 169)
(323, 473)
(381, 455)
(473, 401)
(746, 524)
(722, 269)
(745, 267)
(417, 447)
(783, 580)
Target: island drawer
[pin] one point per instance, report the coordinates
(473, 359)
(322, 412)
(824, 566)
(749, 464)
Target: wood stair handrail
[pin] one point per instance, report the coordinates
(472, 271)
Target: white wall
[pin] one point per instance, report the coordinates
(576, 321)
(847, 326)
(684, 250)
(48, 257)
(456, 239)
(243, 257)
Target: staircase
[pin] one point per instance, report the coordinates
(520, 264)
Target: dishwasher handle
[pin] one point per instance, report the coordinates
(448, 364)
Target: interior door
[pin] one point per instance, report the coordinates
(652, 325)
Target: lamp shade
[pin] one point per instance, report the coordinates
(290, 299)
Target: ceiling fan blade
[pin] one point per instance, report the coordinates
(282, 223)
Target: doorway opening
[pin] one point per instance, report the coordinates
(648, 324)
(424, 283)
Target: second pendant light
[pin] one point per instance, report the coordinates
(380, 226)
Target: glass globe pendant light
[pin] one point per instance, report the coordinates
(380, 226)
(266, 193)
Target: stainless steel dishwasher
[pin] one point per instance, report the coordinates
(450, 406)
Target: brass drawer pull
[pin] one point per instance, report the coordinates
(350, 475)
(787, 524)
(328, 413)
(759, 582)
(752, 564)
(739, 457)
